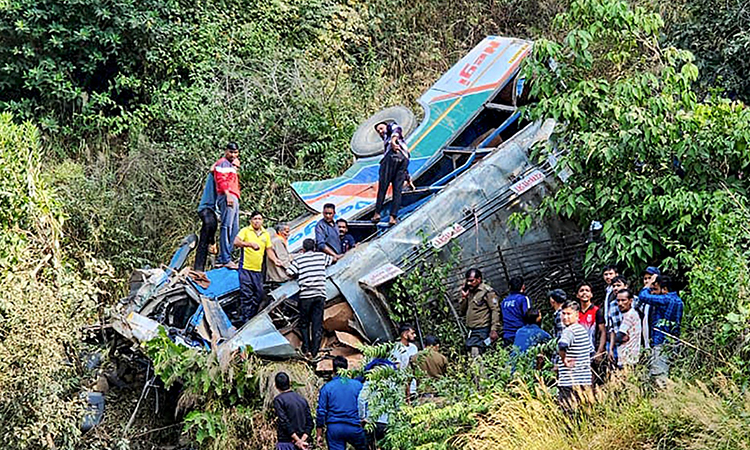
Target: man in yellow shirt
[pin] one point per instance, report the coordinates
(255, 243)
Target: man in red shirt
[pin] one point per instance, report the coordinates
(587, 315)
(228, 199)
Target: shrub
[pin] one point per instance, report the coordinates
(43, 307)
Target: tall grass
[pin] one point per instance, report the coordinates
(684, 416)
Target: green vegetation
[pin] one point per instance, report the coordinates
(45, 303)
(112, 113)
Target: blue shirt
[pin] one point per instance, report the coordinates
(327, 234)
(666, 313)
(337, 402)
(513, 308)
(347, 243)
(208, 199)
(530, 335)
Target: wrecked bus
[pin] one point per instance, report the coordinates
(470, 163)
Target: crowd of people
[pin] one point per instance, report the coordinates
(593, 336)
(344, 403)
(593, 340)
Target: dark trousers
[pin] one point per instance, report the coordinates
(393, 169)
(207, 237)
(311, 323)
(376, 435)
(340, 434)
(251, 293)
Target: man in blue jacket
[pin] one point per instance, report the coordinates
(513, 309)
(338, 411)
(666, 315)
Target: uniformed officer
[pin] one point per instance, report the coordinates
(479, 303)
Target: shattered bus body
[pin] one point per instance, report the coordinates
(471, 167)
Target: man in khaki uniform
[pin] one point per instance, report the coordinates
(479, 303)
(430, 360)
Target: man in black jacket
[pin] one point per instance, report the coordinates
(294, 419)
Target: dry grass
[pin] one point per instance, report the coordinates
(688, 416)
(304, 382)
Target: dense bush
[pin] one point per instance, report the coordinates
(717, 32)
(45, 303)
(651, 163)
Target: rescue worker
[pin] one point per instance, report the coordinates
(479, 303)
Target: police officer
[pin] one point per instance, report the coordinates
(479, 303)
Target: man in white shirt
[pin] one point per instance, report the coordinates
(404, 351)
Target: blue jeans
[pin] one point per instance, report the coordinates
(340, 434)
(230, 226)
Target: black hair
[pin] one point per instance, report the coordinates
(558, 296)
(582, 284)
(431, 340)
(609, 267)
(404, 328)
(531, 316)
(515, 284)
(570, 304)
(620, 278)
(256, 213)
(282, 381)
(664, 281)
(382, 122)
(233, 146)
(473, 272)
(343, 220)
(329, 206)
(627, 291)
(339, 362)
(308, 245)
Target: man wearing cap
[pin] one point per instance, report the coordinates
(227, 183)
(644, 309)
(557, 298)
(394, 167)
(667, 307)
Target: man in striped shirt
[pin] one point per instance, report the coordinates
(310, 270)
(575, 349)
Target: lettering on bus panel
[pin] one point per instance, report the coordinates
(310, 227)
(470, 68)
(527, 182)
(381, 275)
(446, 235)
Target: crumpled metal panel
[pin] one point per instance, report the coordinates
(261, 335)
